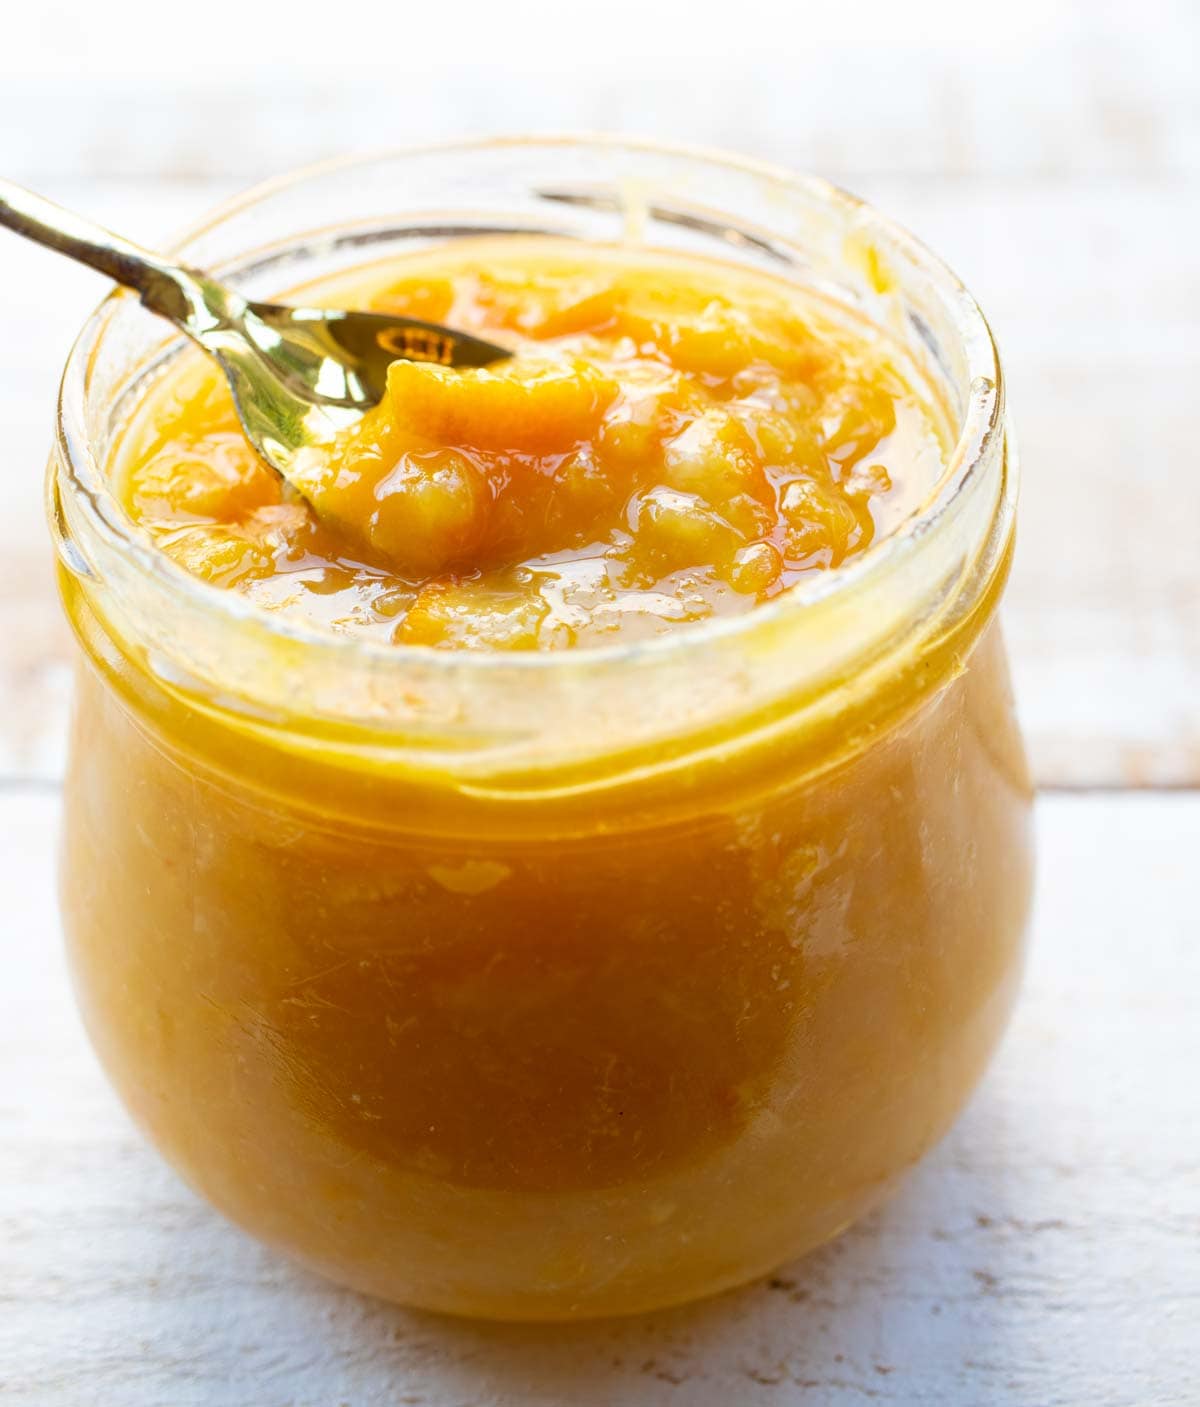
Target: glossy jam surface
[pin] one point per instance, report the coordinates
(673, 439)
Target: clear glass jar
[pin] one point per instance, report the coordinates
(564, 984)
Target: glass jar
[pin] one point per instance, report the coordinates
(563, 984)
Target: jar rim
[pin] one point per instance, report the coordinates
(981, 424)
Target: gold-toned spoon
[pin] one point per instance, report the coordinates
(299, 375)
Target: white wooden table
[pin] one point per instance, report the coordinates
(1049, 1252)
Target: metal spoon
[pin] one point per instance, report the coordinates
(299, 375)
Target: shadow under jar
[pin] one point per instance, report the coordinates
(562, 984)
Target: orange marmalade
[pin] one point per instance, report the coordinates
(572, 856)
(674, 439)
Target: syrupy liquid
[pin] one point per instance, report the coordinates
(674, 439)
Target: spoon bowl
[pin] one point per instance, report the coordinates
(299, 376)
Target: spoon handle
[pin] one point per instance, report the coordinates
(193, 302)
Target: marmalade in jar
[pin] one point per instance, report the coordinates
(558, 1031)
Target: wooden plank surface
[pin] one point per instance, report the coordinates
(1063, 91)
(1046, 1255)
